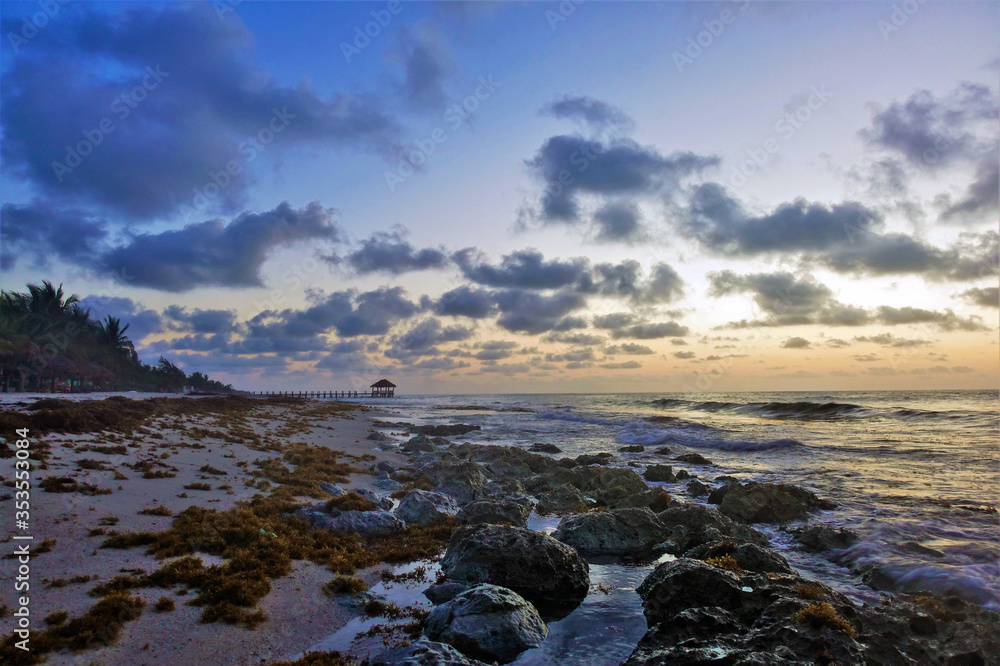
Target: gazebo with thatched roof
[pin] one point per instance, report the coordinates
(383, 388)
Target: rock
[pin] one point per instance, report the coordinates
(631, 532)
(383, 482)
(819, 538)
(422, 443)
(424, 653)
(546, 572)
(614, 484)
(422, 507)
(716, 495)
(691, 525)
(770, 502)
(656, 473)
(446, 591)
(487, 622)
(663, 451)
(602, 458)
(538, 447)
(463, 481)
(683, 474)
(380, 501)
(748, 556)
(654, 499)
(694, 459)
(561, 500)
(514, 470)
(378, 437)
(366, 523)
(699, 614)
(482, 512)
(634, 448)
(385, 466)
(725, 478)
(444, 430)
(696, 488)
(335, 491)
(502, 489)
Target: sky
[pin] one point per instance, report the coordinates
(516, 196)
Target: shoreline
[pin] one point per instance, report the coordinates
(192, 445)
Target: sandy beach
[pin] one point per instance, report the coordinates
(74, 523)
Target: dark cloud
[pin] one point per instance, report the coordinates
(651, 331)
(422, 339)
(946, 321)
(524, 269)
(614, 320)
(619, 221)
(590, 112)
(529, 312)
(573, 356)
(465, 302)
(349, 313)
(981, 200)
(931, 132)
(796, 343)
(899, 254)
(889, 340)
(629, 348)
(141, 320)
(204, 102)
(390, 252)
(570, 166)
(427, 63)
(787, 300)
(625, 365)
(684, 355)
(720, 222)
(42, 231)
(575, 338)
(987, 297)
(201, 321)
(214, 253)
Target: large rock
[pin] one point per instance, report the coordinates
(615, 484)
(748, 556)
(463, 481)
(692, 525)
(770, 502)
(541, 569)
(621, 532)
(487, 622)
(819, 538)
(495, 512)
(561, 500)
(694, 459)
(422, 507)
(366, 523)
(423, 444)
(664, 473)
(654, 499)
(424, 653)
(444, 430)
(539, 447)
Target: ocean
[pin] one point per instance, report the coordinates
(915, 473)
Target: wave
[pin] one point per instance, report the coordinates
(576, 418)
(803, 410)
(641, 433)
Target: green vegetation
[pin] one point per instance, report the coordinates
(345, 585)
(49, 342)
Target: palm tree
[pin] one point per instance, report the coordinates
(111, 334)
(49, 300)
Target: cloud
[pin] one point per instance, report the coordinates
(981, 199)
(889, 340)
(465, 302)
(987, 297)
(684, 355)
(214, 253)
(899, 254)
(651, 331)
(931, 132)
(574, 338)
(349, 313)
(626, 365)
(720, 222)
(619, 222)
(574, 356)
(201, 321)
(205, 104)
(946, 321)
(524, 269)
(590, 112)
(629, 348)
(421, 340)
(796, 343)
(571, 166)
(529, 312)
(40, 230)
(787, 300)
(390, 252)
(427, 62)
(141, 320)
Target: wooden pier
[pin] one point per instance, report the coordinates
(383, 388)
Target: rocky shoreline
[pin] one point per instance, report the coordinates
(719, 595)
